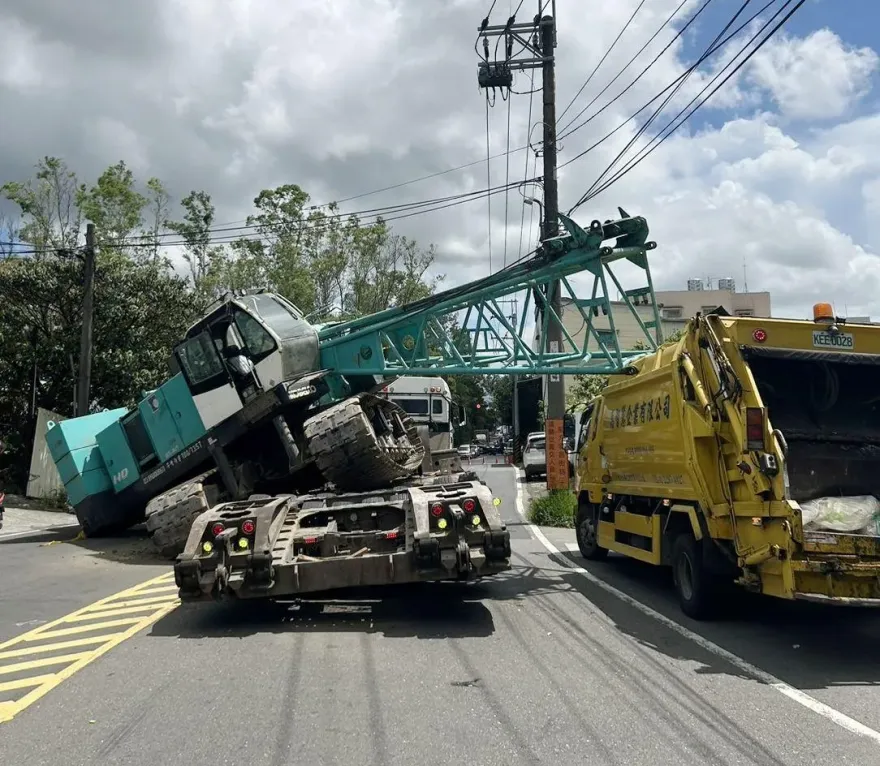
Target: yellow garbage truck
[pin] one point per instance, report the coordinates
(745, 453)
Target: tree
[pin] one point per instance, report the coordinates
(141, 310)
(157, 202)
(141, 306)
(114, 206)
(326, 264)
(194, 229)
(585, 388)
(51, 217)
(500, 388)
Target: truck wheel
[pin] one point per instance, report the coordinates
(587, 532)
(696, 587)
(170, 515)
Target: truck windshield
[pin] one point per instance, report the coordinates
(412, 406)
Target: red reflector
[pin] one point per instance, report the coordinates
(310, 540)
(217, 528)
(759, 335)
(437, 509)
(391, 535)
(248, 527)
(469, 505)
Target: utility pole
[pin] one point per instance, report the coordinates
(85, 344)
(557, 459)
(538, 40)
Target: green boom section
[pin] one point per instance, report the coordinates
(425, 338)
(111, 462)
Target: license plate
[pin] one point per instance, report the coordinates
(840, 340)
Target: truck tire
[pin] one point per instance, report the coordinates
(587, 532)
(171, 514)
(697, 588)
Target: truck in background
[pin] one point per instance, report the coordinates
(428, 402)
(746, 452)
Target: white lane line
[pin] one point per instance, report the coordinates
(841, 719)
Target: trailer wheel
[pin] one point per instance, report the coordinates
(170, 516)
(696, 587)
(587, 532)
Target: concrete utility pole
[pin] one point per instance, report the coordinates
(557, 460)
(534, 53)
(85, 344)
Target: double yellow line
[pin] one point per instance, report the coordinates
(34, 663)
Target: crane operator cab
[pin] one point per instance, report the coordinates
(244, 345)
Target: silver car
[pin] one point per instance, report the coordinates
(534, 456)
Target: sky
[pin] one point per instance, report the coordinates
(774, 180)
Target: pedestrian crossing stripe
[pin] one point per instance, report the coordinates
(34, 663)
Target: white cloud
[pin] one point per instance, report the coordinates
(815, 77)
(235, 96)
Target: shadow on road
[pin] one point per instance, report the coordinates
(809, 646)
(427, 610)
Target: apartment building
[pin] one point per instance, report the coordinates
(675, 308)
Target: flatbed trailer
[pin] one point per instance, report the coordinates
(437, 528)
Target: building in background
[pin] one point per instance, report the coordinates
(675, 308)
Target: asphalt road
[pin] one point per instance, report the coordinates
(543, 665)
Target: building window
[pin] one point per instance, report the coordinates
(707, 309)
(671, 312)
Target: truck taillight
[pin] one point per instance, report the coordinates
(248, 527)
(436, 510)
(469, 505)
(217, 528)
(754, 428)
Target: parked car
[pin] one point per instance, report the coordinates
(465, 450)
(534, 455)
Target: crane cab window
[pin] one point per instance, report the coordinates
(437, 406)
(201, 364)
(257, 340)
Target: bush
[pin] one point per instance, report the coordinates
(556, 509)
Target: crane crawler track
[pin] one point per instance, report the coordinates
(364, 442)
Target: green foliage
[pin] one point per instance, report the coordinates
(140, 311)
(555, 509)
(467, 392)
(325, 264)
(50, 215)
(329, 265)
(500, 388)
(585, 388)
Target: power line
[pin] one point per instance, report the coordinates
(452, 201)
(706, 55)
(522, 221)
(629, 63)
(649, 148)
(506, 182)
(602, 60)
(489, 180)
(566, 132)
(647, 124)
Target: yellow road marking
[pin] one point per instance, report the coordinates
(112, 632)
